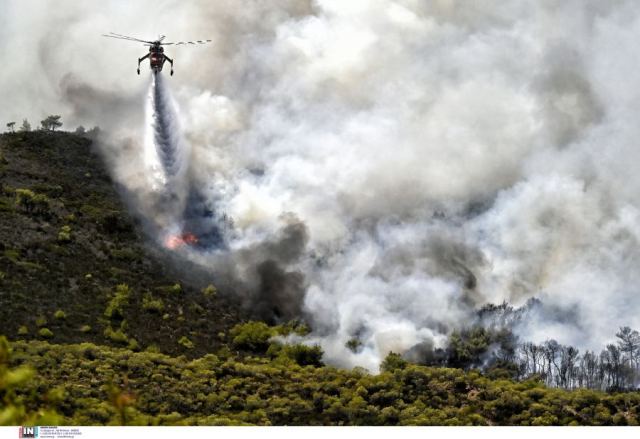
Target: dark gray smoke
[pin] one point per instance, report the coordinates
(264, 275)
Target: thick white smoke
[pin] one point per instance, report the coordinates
(397, 163)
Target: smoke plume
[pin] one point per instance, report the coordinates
(380, 168)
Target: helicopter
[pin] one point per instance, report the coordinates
(156, 55)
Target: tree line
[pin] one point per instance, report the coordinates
(498, 352)
(616, 367)
(52, 123)
(49, 123)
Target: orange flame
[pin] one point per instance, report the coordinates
(175, 241)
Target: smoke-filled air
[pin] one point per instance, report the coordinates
(379, 169)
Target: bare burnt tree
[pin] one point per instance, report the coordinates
(617, 367)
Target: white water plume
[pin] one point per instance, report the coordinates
(166, 155)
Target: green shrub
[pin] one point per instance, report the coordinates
(117, 335)
(170, 289)
(210, 291)
(115, 308)
(353, 344)
(30, 202)
(126, 254)
(151, 304)
(41, 321)
(12, 254)
(133, 344)
(85, 329)
(393, 362)
(252, 336)
(51, 190)
(64, 235)
(293, 327)
(60, 315)
(185, 342)
(301, 354)
(45, 333)
(6, 205)
(23, 330)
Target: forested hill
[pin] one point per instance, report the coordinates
(94, 329)
(73, 263)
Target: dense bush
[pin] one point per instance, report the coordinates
(45, 333)
(64, 235)
(393, 362)
(31, 202)
(102, 385)
(209, 291)
(15, 409)
(301, 354)
(151, 304)
(120, 299)
(252, 336)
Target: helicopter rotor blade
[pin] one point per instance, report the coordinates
(125, 37)
(130, 37)
(187, 42)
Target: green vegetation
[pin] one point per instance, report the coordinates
(117, 335)
(115, 308)
(151, 304)
(184, 341)
(50, 123)
(170, 289)
(125, 254)
(301, 354)
(209, 291)
(149, 388)
(31, 202)
(15, 409)
(64, 235)
(252, 336)
(354, 345)
(136, 345)
(45, 333)
(393, 362)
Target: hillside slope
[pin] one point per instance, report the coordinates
(102, 332)
(73, 263)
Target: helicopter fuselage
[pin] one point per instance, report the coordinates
(156, 57)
